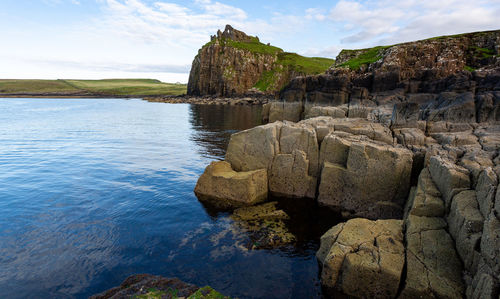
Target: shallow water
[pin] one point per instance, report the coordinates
(95, 190)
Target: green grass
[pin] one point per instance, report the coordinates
(110, 87)
(129, 87)
(366, 57)
(305, 65)
(36, 86)
(469, 68)
(254, 46)
(207, 293)
(292, 62)
(153, 294)
(482, 52)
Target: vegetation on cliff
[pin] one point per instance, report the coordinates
(109, 87)
(475, 56)
(233, 62)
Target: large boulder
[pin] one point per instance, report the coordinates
(450, 179)
(254, 148)
(426, 198)
(465, 226)
(224, 187)
(289, 176)
(433, 267)
(364, 179)
(151, 286)
(363, 258)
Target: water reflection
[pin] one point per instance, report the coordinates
(214, 124)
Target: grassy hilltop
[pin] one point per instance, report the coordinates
(108, 87)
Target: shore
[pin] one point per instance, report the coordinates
(184, 99)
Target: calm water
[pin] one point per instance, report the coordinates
(95, 190)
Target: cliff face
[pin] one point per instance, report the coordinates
(233, 63)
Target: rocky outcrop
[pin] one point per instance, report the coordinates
(362, 258)
(417, 142)
(234, 63)
(150, 286)
(265, 225)
(224, 67)
(223, 186)
(362, 178)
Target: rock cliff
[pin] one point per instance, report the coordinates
(234, 63)
(409, 134)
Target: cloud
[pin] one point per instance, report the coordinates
(331, 51)
(373, 22)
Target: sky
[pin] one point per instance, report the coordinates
(158, 39)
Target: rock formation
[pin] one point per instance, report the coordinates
(234, 63)
(409, 134)
(150, 286)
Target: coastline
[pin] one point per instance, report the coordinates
(184, 99)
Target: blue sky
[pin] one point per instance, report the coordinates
(92, 39)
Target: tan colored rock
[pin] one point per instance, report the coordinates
(411, 136)
(448, 177)
(433, 267)
(465, 226)
(365, 258)
(490, 243)
(486, 189)
(225, 187)
(254, 148)
(333, 112)
(371, 180)
(290, 111)
(426, 201)
(303, 138)
(359, 126)
(289, 176)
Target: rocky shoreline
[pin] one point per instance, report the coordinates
(406, 149)
(207, 100)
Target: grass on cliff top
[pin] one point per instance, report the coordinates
(129, 87)
(366, 57)
(111, 87)
(293, 62)
(254, 46)
(36, 86)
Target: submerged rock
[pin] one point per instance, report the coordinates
(265, 226)
(224, 187)
(150, 286)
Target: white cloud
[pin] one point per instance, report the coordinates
(373, 22)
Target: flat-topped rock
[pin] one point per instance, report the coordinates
(362, 258)
(364, 179)
(224, 187)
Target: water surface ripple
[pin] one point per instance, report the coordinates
(94, 190)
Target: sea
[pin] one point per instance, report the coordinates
(95, 190)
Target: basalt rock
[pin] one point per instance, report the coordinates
(151, 286)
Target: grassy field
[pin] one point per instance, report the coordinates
(109, 87)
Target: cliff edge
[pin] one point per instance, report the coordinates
(234, 63)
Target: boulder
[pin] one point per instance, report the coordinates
(224, 187)
(303, 138)
(426, 200)
(363, 178)
(433, 267)
(448, 177)
(486, 189)
(151, 286)
(465, 226)
(363, 258)
(490, 243)
(333, 112)
(289, 176)
(264, 225)
(254, 148)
